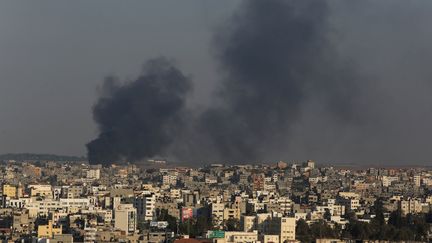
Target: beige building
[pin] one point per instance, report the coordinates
(49, 230)
(22, 223)
(410, 206)
(9, 191)
(125, 218)
(217, 213)
(417, 180)
(41, 190)
(93, 174)
(287, 229)
(230, 213)
(270, 238)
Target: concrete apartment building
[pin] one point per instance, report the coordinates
(125, 218)
(145, 206)
(287, 229)
(49, 230)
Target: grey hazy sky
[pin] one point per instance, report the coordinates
(54, 54)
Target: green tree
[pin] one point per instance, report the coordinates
(303, 233)
(404, 234)
(187, 227)
(232, 224)
(321, 229)
(429, 217)
(395, 218)
(195, 226)
(203, 224)
(358, 230)
(327, 215)
(378, 209)
(163, 215)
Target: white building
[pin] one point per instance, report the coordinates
(239, 237)
(93, 174)
(42, 207)
(90, 235)
(74, 205)
(145, 206)
(387, 180)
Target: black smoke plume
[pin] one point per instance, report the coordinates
(276, 56)
(139, 119)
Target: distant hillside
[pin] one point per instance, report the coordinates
(29, 156)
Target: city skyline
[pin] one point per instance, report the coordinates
(203, 121)
(73, 201)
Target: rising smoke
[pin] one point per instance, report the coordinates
(275, 57)
(139, 119)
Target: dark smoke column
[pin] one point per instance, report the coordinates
(139, 119)
(276, 56)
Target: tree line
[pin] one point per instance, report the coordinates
(399, 227)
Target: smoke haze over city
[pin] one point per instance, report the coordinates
(234, 81)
